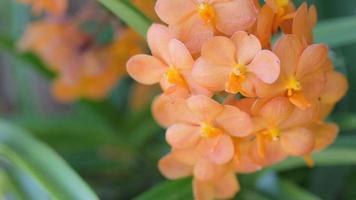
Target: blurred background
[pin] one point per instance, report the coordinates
(107, 134)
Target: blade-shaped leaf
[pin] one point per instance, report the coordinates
(37, 159)
(129, 14)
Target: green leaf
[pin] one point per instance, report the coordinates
(129, 14)
(169, 190)
(43, 164)
(336, 32)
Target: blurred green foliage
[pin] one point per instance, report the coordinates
(115, 149)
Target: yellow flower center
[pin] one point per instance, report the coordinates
(209, 131)
(274, 133)
(282, 3)
(237, 77)
(293, 85)
(175, 77)
(206, 12)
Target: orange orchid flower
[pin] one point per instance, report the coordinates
(54, 7)
(302, 77)
(231, 64)
(170, 64)
(195, 21)
(281, 129)
(209, 128)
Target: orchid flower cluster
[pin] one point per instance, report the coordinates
(232, 101)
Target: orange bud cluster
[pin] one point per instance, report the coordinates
(232, 102)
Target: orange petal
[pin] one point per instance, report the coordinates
(299, 118)
(299, 100)
(312, 59)
(312, 16)
(171, 168)
(234, 121)
(189, 156)
(182, 136)
(219, 51)
(145, 69)
(301, 27)
(203, 190)
(237, 15)
(65, 92)
(205, 107)
(273, 153)
(264, 25)
(180, 55)
(313, 84)
(194, 87)
(174, 11)
(193, 32)
(325, 134)
(158, 37)
(266, 66)
(171, 107)
(205, 170)
(226, 187)
(247, 46)
(220, 149)
(288, 49)
(276, 110)
(297, 141)
(335, 87)
(212, 77)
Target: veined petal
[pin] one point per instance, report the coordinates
(193, 32)
(158, 37)
(174, 11)
(219, 51)
(288, 49)
(312, 59)
(297, 141)
(145, 69)
(182, 136)
(234, 121)
(212, 77)
(236, 15)
(220, 149)
(205, 107)
(171, 168)
(180, 55)
(247, 46)
(266, 66)
(335, 87)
